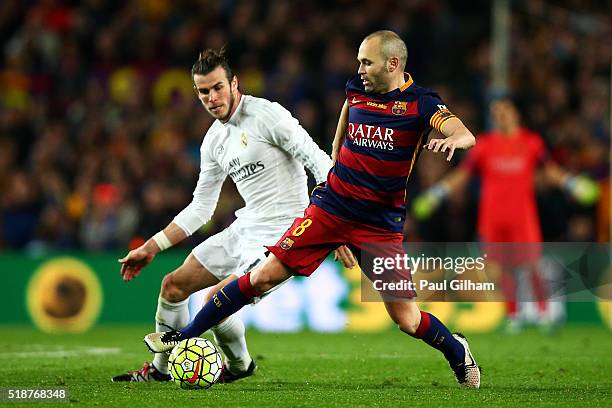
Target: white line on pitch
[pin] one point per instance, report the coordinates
(81, 351)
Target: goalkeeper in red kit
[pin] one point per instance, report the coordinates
(506, 159)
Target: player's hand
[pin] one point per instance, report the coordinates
(345, 255)
(583, 189)
(134, 261)
(450, 143)
(442, 145)
(424, 205)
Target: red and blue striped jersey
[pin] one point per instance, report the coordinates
(383, 140)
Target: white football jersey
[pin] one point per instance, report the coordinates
(264, 150)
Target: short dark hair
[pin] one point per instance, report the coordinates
(391, 45)
(209, 60)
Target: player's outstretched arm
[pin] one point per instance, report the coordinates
(138, 258)
(189, 220)
(584, 190)
(457, 136)
(340, 132)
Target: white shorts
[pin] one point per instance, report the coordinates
(238, 248)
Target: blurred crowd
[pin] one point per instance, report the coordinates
(100, 129)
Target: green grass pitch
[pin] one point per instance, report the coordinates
(571, 368)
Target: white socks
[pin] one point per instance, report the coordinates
(229, 336)
(170, 316)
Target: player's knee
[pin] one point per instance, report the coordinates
(172, 292)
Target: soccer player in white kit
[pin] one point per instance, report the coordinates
(264, 150)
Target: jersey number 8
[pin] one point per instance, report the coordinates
(299, 230)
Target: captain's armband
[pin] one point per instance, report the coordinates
(441, 116)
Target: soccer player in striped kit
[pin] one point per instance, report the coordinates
(383, 126)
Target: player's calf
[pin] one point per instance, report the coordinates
(271, 274)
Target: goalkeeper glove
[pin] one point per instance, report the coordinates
(584, 190)
(424, 205)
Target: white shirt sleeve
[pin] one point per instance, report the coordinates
(205, 195)
(286, 132)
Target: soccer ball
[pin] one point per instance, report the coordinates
(195, 363)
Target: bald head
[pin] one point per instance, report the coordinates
(382, 58)
(391, 45)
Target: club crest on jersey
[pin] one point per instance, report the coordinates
(399, 108)
(286, 243)
(244, 140)
(444, 113)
